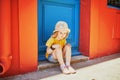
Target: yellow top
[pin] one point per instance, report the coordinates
(51, 41)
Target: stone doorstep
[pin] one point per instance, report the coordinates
(45, 64)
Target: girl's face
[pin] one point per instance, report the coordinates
(61, 35)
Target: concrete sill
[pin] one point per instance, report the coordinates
(75, 59)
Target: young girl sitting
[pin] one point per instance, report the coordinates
(58, 50)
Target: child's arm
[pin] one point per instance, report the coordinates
(49, 44)
(49, 50)
(56, 46)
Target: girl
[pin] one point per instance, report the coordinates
(57, 48)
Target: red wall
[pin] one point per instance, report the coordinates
(84, 27)
(5, 35)
(21, 18)
(104, 29)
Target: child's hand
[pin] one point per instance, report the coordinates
(49, 50)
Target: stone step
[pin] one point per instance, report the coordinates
(75, 59)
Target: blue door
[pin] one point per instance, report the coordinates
(51, 11)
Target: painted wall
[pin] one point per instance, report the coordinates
(103, 29)
(28, 35)
(99, 33)
(19, 18)
(5, 36)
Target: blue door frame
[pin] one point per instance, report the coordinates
(51, 11)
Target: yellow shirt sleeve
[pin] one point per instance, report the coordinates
(64, 42)
(49, 42)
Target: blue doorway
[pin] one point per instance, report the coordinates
(51, 11)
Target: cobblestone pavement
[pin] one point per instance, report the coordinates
(104, 68)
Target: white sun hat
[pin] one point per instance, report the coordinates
(60, 26)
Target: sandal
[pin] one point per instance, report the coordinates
(65, 70)
(71, 69)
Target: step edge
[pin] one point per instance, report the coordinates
(51, 65)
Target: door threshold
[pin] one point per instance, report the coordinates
(75, 59)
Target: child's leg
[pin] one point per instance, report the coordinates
(67, 53)
(59, 56)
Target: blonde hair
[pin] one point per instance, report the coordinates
(55, 34)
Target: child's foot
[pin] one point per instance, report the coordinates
(71, 69)
(65, 70)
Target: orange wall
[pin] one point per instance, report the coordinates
(14, 69)
(22, 18)
(103, 30)
(99, 33)
(104, 38)
(28, 35)
(5, 35)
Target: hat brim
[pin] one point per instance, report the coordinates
(68, 30)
